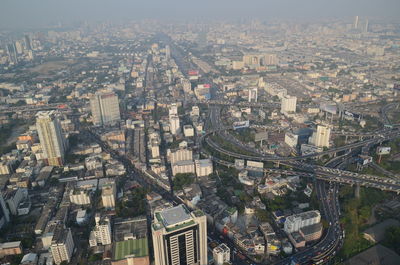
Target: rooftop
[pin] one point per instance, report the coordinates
(175, 215)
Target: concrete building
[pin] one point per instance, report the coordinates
(109, 195)
(181, 154)
(188, 130)
(253, 94)
(320, 138)
(51, 138)
(221, 254)
(204, 167)
(101, 234)
(186, 166)
(62, 245)
(79, 197)
(195, 111)
(105, 108)
(288, 104)
(291, 139)
(180, 237)
(174, 124)
(4, 213)
(10, 248)
(173, 110)
(295, 222)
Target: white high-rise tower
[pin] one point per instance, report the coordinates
(51, 138)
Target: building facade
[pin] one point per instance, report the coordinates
(105, 108)
(51, 138)
(180, 237)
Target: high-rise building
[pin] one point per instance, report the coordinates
(101, 234)
(356, 22)
(180, 237)
(105, 108)
(288, 104)
(320, 138)
(108, 195)
(167, 52)
(174, 124)
(51, 138)
(28, 44)
(62, 245)
(221, 254)
(296, 222)
(18, 47)
(12, 53)
(366, 26)
(4, 213)
(253, 94)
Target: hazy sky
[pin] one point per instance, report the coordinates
(30, 13)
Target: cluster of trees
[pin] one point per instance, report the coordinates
(182, 179)
(135, 206)
(357, 212)
(392, 238)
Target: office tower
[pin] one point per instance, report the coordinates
(27, 41)
(366, 26)
(18, 47)
(320, 138)
(105, 108)
(12, 53)
(62, 245)
(179, 237)
(51, 138)
(356, 22)
(288, 104)
(101, 234)
(221, 254)
(296, 222)
(167, 52)
(4, 213)
(174, 124)
(108, 195)
(253, 94)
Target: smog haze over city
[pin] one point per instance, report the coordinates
(41, 13)
(199, 132)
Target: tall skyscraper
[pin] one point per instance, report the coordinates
(288, 104)
(366, 26)
(4, 213)
(51, 138)
(12, 53)
(167, 52)
(356, 22)
(321, 137)
(180, 237)
(105, 108)
(27, 41)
